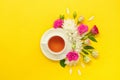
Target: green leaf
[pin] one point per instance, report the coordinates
(84, 38)
(74, 15)
(92, 38)
(61, 16)
(62, 63)
(88, 47)
(85, 51)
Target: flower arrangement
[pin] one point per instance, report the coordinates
(80, 38)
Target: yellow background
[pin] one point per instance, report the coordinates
(22, 23)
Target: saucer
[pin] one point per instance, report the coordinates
(44, 47)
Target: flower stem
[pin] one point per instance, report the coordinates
(82, 54)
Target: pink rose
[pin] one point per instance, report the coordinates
(82, 29)
(72, 56)
(94, 30)
(58, 23)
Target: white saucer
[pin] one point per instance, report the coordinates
(43, 44)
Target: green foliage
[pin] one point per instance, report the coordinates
(62, 63)
(62, 17)
(92, 38)
(85, 52)
(74, 15)
(88, 47)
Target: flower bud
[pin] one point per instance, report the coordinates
(87, 42)
(94, 30)
(86, 59)
(80, 19)
(95, 54)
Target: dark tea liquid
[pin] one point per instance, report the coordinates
(56, 44)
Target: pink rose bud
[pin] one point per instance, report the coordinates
(94, 30)
(58, 23)
(82, 29)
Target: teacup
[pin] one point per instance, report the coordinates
(56, 44)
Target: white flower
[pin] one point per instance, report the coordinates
(76, 37)
(86, 59)
(69, 25)
(76, 42)
(70, 29)
(95, 54)
(78, 46)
